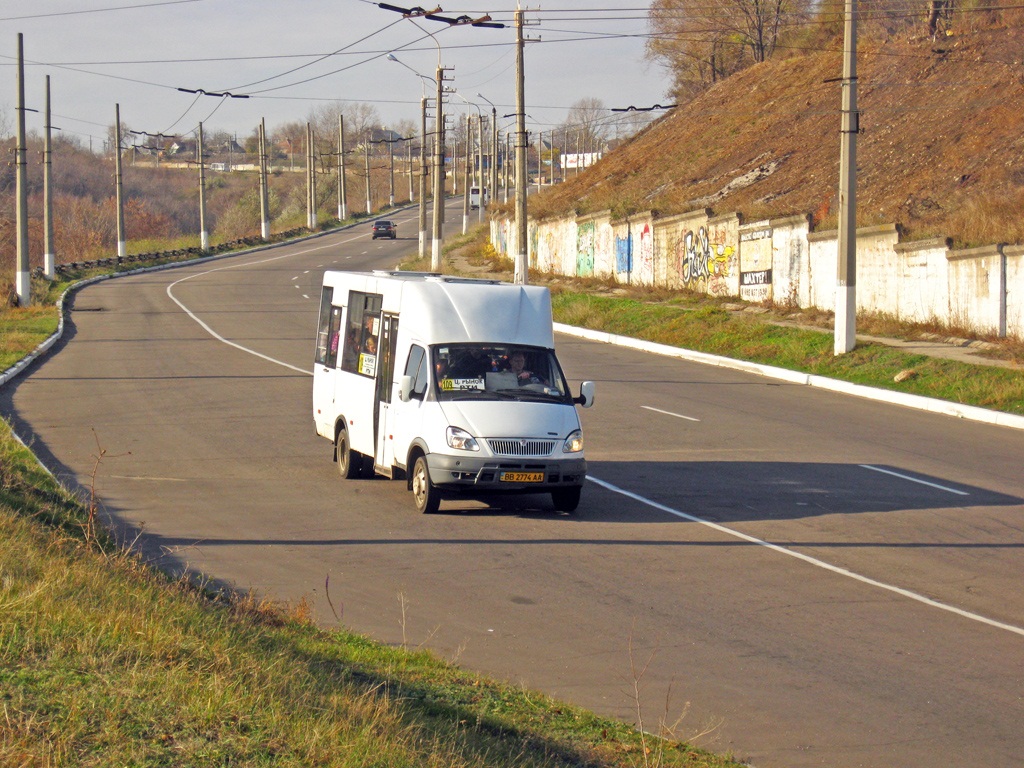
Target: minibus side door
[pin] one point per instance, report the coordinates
(383, 426)
(325, 369)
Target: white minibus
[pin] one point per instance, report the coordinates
(451, 383)
(476, 199)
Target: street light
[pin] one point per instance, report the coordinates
(483, 21)
(423, 154)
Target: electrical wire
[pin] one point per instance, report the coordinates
(96, 10)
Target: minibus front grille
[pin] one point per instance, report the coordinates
(515, 447)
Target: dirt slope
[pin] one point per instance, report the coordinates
(941, 148)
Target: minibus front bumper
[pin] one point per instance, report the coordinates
(477, 475)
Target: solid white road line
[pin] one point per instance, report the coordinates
(220, 338)
(811, 560)
(915, 480)
(669, 413)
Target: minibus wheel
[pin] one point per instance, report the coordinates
(350, 463)
(425, 495)
(566, 499)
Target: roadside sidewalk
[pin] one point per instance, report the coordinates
(950, 348)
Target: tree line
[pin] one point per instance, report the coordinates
(701, 42)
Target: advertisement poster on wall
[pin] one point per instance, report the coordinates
(756, 263)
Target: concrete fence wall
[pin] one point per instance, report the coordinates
(782, 261)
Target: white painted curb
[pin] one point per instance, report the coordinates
(919, 402)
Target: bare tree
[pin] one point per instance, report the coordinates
(586, 127)
(704, 41)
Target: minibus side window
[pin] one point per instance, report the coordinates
(416, 366)
(323, 331)
(362, 334)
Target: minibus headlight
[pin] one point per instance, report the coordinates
(573, 443)
(462, 440)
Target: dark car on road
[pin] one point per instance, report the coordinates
(385, 228)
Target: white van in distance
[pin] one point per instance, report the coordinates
(476, 198)
(451, 383)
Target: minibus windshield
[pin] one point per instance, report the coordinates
(497, 372)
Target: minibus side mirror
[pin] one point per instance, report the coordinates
(405, 388)
(586, 398)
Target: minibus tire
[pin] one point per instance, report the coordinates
(350, 463)
(566, 499)
(426, 497)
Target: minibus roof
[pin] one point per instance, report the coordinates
(442, 309)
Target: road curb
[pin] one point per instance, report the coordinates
(918, 402)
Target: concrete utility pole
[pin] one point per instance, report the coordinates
(264, 193)
(366, 163)
(423, 177)
(506, 167)
(23, 281)
(310, 177)
(342, 202)
(494, 154)
(846, 278)
(465, 197)
(522, 253)
(122, 244)
(540, 160)
(49, 257)
(480, 170)
(455, 166)
(438, 230)
(391, 171)
(204, 236)
(408, 167)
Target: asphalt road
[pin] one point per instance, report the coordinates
(798, 577)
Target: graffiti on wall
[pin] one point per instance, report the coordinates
(645, 256)
(703, 264)
(585, 242)
(624, 253)
(756, 264)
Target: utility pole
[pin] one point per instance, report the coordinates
(23, 278)
(423, 177)
(465, 197)
(480, 170)
(204, 237)
(540, 158)
(391, 165)
(438, 229)
(522, 245)
(342, 202)
(408, 166)
(310, 178)
(846, 277)
(493, 192)
(122, 245)
(264, 193)
(505, 167)
(366, 163)
(49, 258)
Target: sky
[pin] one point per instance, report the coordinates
(291, 57)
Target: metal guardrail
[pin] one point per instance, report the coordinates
(194, 252)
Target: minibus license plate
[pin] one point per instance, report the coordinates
(522, 477)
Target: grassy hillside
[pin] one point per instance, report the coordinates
(941, 148)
